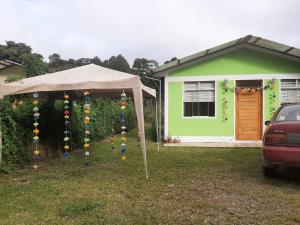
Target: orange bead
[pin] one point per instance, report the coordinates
(123, 103)
(35, 102)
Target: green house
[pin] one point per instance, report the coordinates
(224, 94)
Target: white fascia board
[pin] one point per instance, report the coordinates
(233, 77)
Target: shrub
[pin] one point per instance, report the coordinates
(16, 120)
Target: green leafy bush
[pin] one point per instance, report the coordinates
(16, 119)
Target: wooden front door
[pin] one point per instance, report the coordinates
(248, 114)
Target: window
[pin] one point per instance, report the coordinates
(290, 91)
(199, 98)
(288, 113)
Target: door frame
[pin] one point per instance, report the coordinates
(262, 113)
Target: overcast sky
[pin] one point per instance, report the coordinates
(154, 29)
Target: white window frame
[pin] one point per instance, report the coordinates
(199, 117)
(293, 88)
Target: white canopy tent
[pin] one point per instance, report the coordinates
(100, 81)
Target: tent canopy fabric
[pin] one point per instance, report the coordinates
(100, 81)
(104, 82)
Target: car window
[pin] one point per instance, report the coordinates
(288, 113)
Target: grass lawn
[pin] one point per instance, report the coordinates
(186, 186)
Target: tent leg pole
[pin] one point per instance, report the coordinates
(138, 102)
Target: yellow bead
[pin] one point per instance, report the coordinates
(123, 157)
(36, 152)
(86, 145)
(123, 139)
(66, 147)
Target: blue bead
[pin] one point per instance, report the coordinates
(123, 149)
(87, 126)
(66, 154)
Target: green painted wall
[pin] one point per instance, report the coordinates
(270, 101)
(179, 126)
(241, 61)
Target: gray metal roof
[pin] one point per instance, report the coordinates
(247, 41)
(4, 63)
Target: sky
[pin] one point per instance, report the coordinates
(153, 29)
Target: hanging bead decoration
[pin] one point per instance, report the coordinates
(271, 86)
(138, 138)
(272, 98)
(123, 103)
(226, 87)
(36, 131)
(67, 125)
(226, 107)
(87, 126)
(112, 138)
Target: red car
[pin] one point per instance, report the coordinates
(281, 141)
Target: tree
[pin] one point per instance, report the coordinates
(142, 66)
(34, 64)
(55, 60)
(171, 60)
(97, 61)
(14, 51)
(117, 63)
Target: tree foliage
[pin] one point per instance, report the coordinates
(171, 60)
(117, 63)
(34, 64)
(14, 51)
(22, 53)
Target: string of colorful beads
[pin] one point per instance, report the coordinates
(226, 88)
(273, 101)
(138, 138)
(36, 131)
(123, 103)
(112, 138)
(67, 125)
(87, 126)
(226, 107)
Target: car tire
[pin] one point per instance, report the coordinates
(269, 171)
